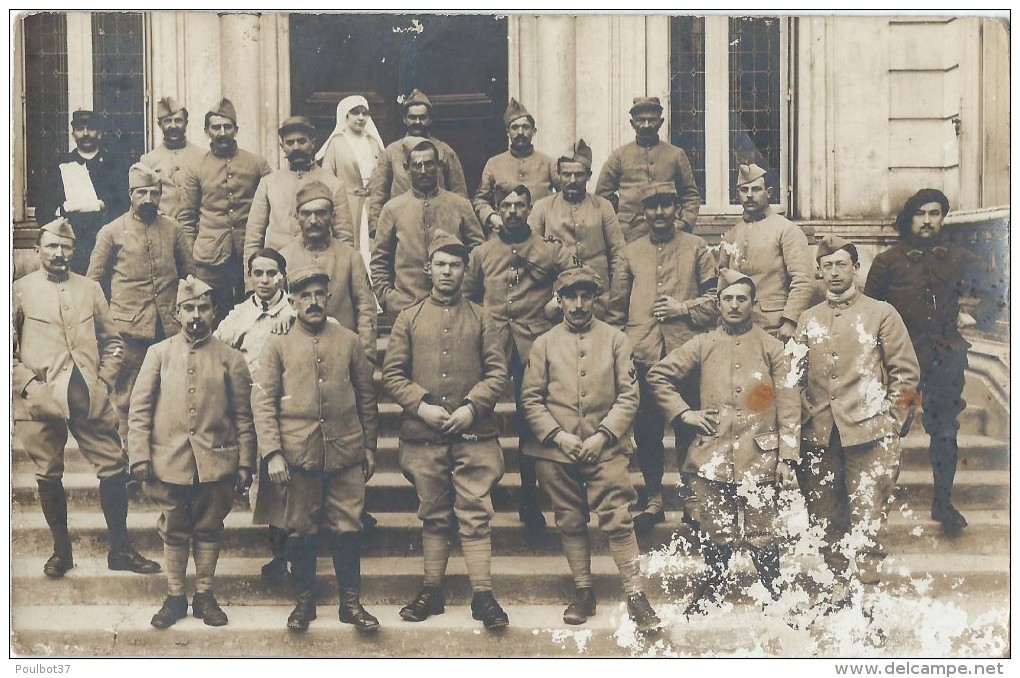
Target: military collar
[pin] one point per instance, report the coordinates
(742, 328)
(916, 254)
(662, 239)
(302, 171)
(57, 278)
(528, 154)
(578, 330)
(652, 144)
(761, 217)
(515, 237)
(135, 217)
(196, 342)
(326, 243)
(438, 301)
(844, 300)
(305, 329)
(422, 196)
(184, 143)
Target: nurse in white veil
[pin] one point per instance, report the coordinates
(351, 153)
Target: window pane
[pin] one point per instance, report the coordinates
(687, 91)
(47, 131)
(118, 80)
(755, 130)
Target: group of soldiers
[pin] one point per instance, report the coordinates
(219, 325)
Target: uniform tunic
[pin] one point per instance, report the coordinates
(390, 179)
(773, 251)
(447, 354)
(406, 227)
(351, 301)
(141, 264)
(591, 232)
(172, 164)
(191, 412)
(65, 338)
(503, 172)
(515, 281)
(747, 378)
(272, 221)
(679, 265)
(633, 167)
(862, 373)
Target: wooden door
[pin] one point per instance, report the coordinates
(459, 61)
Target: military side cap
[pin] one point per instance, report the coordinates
(441, 240)
(514, 110)
(415, 98)
(313, 190)
(578, 152)
(646, 104)
(59, 226)
(84, 117)
(225, 108)
(140, 175)
(166, 107)
(830, 244)
(303, 276)
(660, 188)
(748, 173)
(729, 276)
(191, 288)
(580, 275)
(296, 123)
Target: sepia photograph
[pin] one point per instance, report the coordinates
(449, 335)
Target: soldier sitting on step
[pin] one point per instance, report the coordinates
(748, 434)
(580, 396)
(66, 355)
(446, 368)
(191, 439)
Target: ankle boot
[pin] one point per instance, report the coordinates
(53, 500)
(303, 552)
(113, 500)
(346, 553)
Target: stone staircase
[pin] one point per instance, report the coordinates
(941, 596)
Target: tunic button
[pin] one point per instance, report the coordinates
(837, 315)
(318, 360)
(192, 410)
(739, 390)
(583, 373)
(446, 353)
(583, 394)
(321, 380)
(582, 354)
(444, 375)
(191, 371)
(833, 397)
(446, 330)
(737, 366)
(191, 390)
(322, 421)
(191, 432)
(66, 308)
(833, 376)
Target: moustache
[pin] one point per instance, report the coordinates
(195, 326)
(58, 260)
(314, 309)
(148, 211)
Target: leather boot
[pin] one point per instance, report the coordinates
(944, 454)
(53, 500)
(713, 586)
(173, 610)
(276, 569)
(302, 557)
(347, 565)
(114, 502)
(641, 613)
(485, 609)
(529, 511)
(766, 561)
(582, 606)
(428, 602)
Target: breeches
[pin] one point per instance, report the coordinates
(97, 437)
(331, 501)
(191, 511)
(575, 489)
(648, 429)
(454, 483)
(847, 490)
(719, 505)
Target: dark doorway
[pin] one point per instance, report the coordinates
(460, 62)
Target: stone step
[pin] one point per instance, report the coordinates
(517, 580)
(913, 626)
(976, 452)
(392, 492)
(399, 534)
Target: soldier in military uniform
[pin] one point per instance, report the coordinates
(669, 282)
(513, 274)
(446, 368)
(862, 375)
(66, 354)
(175, 157)
(520, 165)
(923, 276)
(773, 252)
(139, 257)
(191, 439)
(580, 396)
(747, 434)
(316, 418)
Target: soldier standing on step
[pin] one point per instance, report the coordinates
(748, 434)
(446, 368)
(192, 441)
(580, 397)
(923, 276)
(316, 419)
(862, 377)
(66, 354)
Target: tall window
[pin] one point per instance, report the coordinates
(728, 101)
(79, 60)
